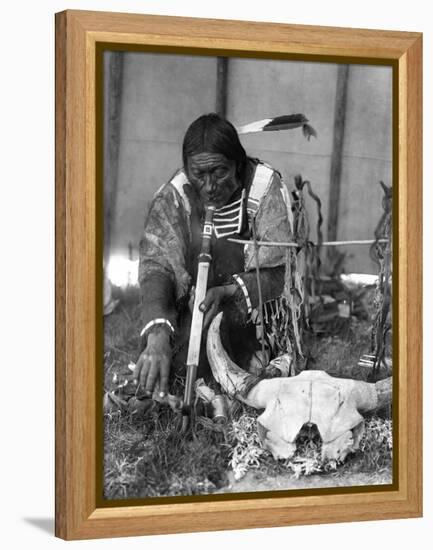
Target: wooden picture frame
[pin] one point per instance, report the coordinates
(79, 37)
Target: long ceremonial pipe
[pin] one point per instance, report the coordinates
(193, 357)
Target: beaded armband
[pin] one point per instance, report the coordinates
(154, 322)
(244, 289)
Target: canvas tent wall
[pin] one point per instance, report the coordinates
(159, 95)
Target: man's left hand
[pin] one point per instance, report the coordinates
(212, 304)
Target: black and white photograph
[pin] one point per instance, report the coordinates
(247, 260)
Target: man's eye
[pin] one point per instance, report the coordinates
(221, 172)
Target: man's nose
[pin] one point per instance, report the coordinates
(209, 183)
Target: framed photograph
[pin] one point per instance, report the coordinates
(238, 274)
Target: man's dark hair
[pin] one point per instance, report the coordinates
(212, 133)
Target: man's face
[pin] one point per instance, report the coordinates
(213, 176)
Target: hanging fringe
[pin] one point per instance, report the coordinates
(381, 253)
(301, 275)
(286, 319)
(259, 286)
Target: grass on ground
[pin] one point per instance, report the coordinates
(146, 455)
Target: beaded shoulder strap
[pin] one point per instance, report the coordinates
(261, 181)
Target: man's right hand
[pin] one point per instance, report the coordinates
(153, 365)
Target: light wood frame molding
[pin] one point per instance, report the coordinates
(78, 281)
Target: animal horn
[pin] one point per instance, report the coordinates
(233, 380)
(384, 392)
(257, 392)
(370, 397)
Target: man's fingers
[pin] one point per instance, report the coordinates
(191, 299)
(153, 374)
(137, 369)
(164, 372)
(208, 301)
(210, 315)
(145, 366)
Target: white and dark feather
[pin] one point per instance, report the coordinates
(283, 122)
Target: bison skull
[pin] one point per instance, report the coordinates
(334, 405)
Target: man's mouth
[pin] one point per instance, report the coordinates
(214, 200)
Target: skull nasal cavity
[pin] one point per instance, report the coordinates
(308, 432)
